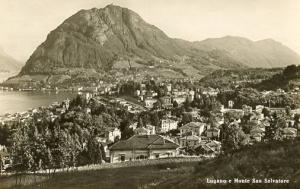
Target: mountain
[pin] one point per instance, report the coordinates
(266, 53)
(8, 65)
(115, 42)
(101, 38)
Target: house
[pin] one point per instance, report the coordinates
(289, 133)
(192, 128)
(141, 131)
(140, 147)
(257, 137)
(112, 134)
(189, 141)
(180, 99)
(149, 102)
(213, 133)
(247, 109)
(259, 108)
(168, 124)
(166, 101)
(151, 128)
(257, 133)
(230, 104)
(194, 113)
(5, 158)
(133, 126)
(148, 130)
(211, 148)
(169, 87)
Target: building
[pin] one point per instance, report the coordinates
(189, 141)
(148, 130)
(152, 129)
(112, 134)
(257, 133)
(213, 133)
(230, 104)
(289, 133)
(211, 148)
(169, 87)
(149, 102)
(133, 126)
(140, 147)
(180, 99)
(5, 159)
(192, 128)
(259, 108)
(141, 131)
(166, 101)
(247, 109)
(168, 124)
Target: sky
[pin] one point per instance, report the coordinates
(25, 24)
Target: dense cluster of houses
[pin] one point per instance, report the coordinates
(151, 142)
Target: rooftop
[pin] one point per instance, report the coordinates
(144, 142)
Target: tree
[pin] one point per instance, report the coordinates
(234, 138)
(175, 104)
(186, 118)
(266, 112)
(273, 131)
(290, 71)
(155, 119)
(126, 132)
(288, 110)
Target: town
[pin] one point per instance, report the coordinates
(135, 121)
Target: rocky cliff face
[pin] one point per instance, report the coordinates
(96, 38)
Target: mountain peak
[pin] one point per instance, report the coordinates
(109, 39)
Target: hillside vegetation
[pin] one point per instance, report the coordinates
(287, 79)
(241, 77)
(276, 160)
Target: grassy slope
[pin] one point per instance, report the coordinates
(279, 160)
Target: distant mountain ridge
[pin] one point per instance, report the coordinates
(113, 39)
(8, 65)
(266, 53)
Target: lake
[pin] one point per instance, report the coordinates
(13, 101)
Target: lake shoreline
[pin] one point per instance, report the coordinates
(12, 102)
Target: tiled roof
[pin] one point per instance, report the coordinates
(144, 142)
(193, 125)
(289, 131)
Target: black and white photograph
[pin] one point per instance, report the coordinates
(149, 94)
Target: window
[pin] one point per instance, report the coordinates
(156, 155)
(7, 161)
(122, 157)
(141, 157)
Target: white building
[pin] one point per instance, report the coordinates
(192, 128)
(141, 147)
(112, 134)
(149, 102)
(168, 124)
